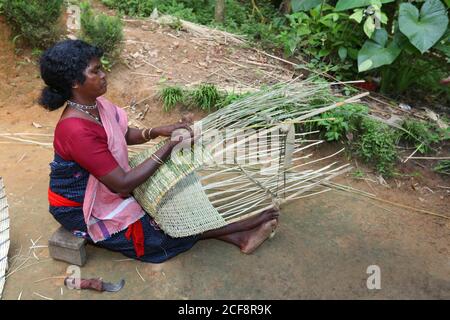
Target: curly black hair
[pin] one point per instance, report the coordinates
(61, 66)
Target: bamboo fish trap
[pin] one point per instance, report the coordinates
(4, 235)
(249, 158)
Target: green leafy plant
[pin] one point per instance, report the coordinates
(334, 125)
(443, 167)
(35, 21)
(423, 29)
(319, 33)
(170, 97)
(420, 134)
(228, 98)
(358, 174)
(206, 96)
(102, 30)
(396, 32)
(376, 145)
(377, 52)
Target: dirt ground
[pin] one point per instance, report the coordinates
(324, 244)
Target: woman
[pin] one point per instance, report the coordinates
(91, 182)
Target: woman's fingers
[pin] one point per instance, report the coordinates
(188, 127)
(185, 136)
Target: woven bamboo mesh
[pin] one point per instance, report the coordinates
(249, 159)
(4, 235)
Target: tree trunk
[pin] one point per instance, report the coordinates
(220, 11)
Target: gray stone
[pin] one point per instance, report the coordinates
(64, 246)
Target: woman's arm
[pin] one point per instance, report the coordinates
(138, 136)
(124, 183)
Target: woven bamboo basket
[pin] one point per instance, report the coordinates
(4, 235)
(196, 190)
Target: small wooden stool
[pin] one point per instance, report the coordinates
(64, 246)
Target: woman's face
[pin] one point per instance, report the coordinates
(95, 84)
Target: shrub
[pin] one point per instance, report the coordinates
(170, 97)
(420, 134)
(34, 21)
(229, 98)
(102, 30)
(336, 123)
(206, 97)
(376, 145)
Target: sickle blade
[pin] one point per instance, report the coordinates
(113, 287)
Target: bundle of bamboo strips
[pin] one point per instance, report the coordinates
(46, 140)
(202, 31)
(249, 158)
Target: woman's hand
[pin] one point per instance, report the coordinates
(167, 131)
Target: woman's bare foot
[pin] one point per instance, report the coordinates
(258, 235)
(238, 232)
(256, 221)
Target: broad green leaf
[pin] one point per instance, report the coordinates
(342, 5)
(369, 26)
(377, 14)
(425, 29)
(376, 52)
(342, 53)
(380, 37)
(358, 15)
(304, 5)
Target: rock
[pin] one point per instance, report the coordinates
(64, 246)
(405, 106)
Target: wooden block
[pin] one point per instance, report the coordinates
(64, 246)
